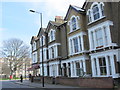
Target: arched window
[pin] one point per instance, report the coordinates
(96, 13)
(73, 23)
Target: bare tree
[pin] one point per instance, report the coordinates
(15, 51)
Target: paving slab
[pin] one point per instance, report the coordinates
(39, 85)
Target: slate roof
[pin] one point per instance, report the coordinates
(55, 23)
(77, 8)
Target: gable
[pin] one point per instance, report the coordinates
(73, 10)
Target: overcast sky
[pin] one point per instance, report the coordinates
(18, 22)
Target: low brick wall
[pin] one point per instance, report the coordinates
(46, 79)
(96, 82)
(91, 82)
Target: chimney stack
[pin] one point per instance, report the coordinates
(59, 19)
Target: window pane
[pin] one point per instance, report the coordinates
(109, 63)
(96, 12)
(99, 37)
(102, 63)
(102, 9)
(80, 43)
(78, 68)
(73, 23)
(71, 46)
(75, 40)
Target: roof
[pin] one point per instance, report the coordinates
(76, 8)
(44, 29)
(34, 38)
(55, 23)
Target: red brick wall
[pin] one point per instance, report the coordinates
(46, 79)
(96, 82)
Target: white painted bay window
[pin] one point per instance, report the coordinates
(104, 64)
(53, 50)
(99, 35)
(76, 44)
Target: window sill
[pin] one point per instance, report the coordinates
(96, 20)
(51, 41)
(73, 31)
(103, 47)
(77, 53)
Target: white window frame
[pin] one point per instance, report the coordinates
(77, 18)
(80, 39)
(106, 24)
(34, 45)
(51, 37)
(43, 40)
(100, 12)
(99, 37)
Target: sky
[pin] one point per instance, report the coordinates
(17, 22)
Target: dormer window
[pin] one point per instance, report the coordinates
(96, 13)
(73, 23)
(51, 35)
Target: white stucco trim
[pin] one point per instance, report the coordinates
(77, 23)
(106, 24)
(109, 53)
(34, 57)
(81, 34)
(73, 61)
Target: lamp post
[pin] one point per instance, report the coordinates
(42, 45)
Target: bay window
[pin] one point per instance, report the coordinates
(75, 44)
(100, 36)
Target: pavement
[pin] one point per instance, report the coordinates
(39, 85)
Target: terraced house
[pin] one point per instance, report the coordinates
(103, 19)
(86, 43)
(78, 62)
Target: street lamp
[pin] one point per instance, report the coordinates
(42, 45)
